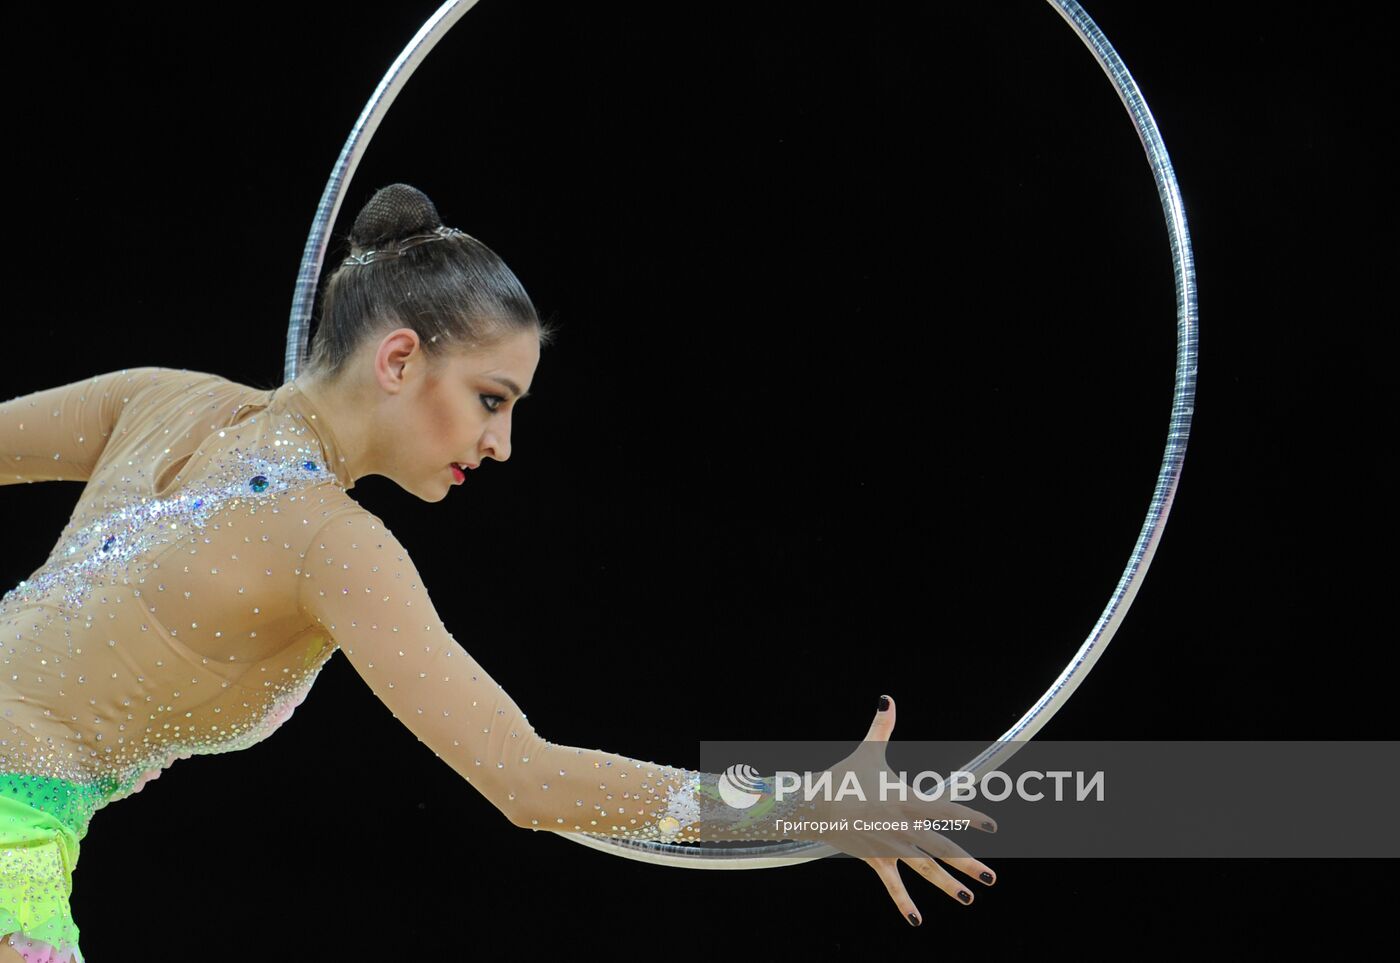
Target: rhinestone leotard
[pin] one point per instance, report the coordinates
(213, 564)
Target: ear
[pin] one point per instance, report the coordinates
(398, 350)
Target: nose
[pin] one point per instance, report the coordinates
(496, 445)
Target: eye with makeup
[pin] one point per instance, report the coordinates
(487, 398)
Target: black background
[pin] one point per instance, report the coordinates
(863, 386)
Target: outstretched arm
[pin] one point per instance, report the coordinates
(58, 434)
(361, 585)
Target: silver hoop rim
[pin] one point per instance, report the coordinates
(1168, 476)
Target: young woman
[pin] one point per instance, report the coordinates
(215, 561)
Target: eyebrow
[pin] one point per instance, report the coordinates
(514, 388)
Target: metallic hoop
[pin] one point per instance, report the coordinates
(1168, 476)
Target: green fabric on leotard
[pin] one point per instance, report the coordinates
(38, 852)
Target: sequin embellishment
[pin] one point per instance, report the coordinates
(144, 638)
(104, 547)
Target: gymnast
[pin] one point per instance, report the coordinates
(215, 561)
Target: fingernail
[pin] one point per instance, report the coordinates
(914, 920)
(884, 703)
(990, 827)
(965, 896)
(987, 878)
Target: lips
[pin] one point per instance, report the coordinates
(458, 476)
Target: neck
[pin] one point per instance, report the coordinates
(339, 403)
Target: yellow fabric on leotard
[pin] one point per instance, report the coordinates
(37, 854)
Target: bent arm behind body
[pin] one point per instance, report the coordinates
(58, 434)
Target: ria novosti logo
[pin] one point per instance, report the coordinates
(741, 786)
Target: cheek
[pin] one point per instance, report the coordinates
(437, 433)
(445, 422)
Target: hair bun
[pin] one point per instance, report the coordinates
(394, 212)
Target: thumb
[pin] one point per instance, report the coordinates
(883, 725)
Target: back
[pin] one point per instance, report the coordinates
(165, 622)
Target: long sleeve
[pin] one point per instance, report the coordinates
(58, 434)
(361, 585)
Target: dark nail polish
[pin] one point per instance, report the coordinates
(914, 920)
(987, 878)
(965, 896)
(990, 827)
(884, 703)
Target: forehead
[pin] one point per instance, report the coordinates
(515, 357)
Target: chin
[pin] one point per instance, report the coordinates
(425, 493)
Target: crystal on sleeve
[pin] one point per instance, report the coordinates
(366, 592)
(58, 434)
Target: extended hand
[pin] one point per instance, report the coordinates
(891, 845)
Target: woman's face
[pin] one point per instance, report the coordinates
(460, 410)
